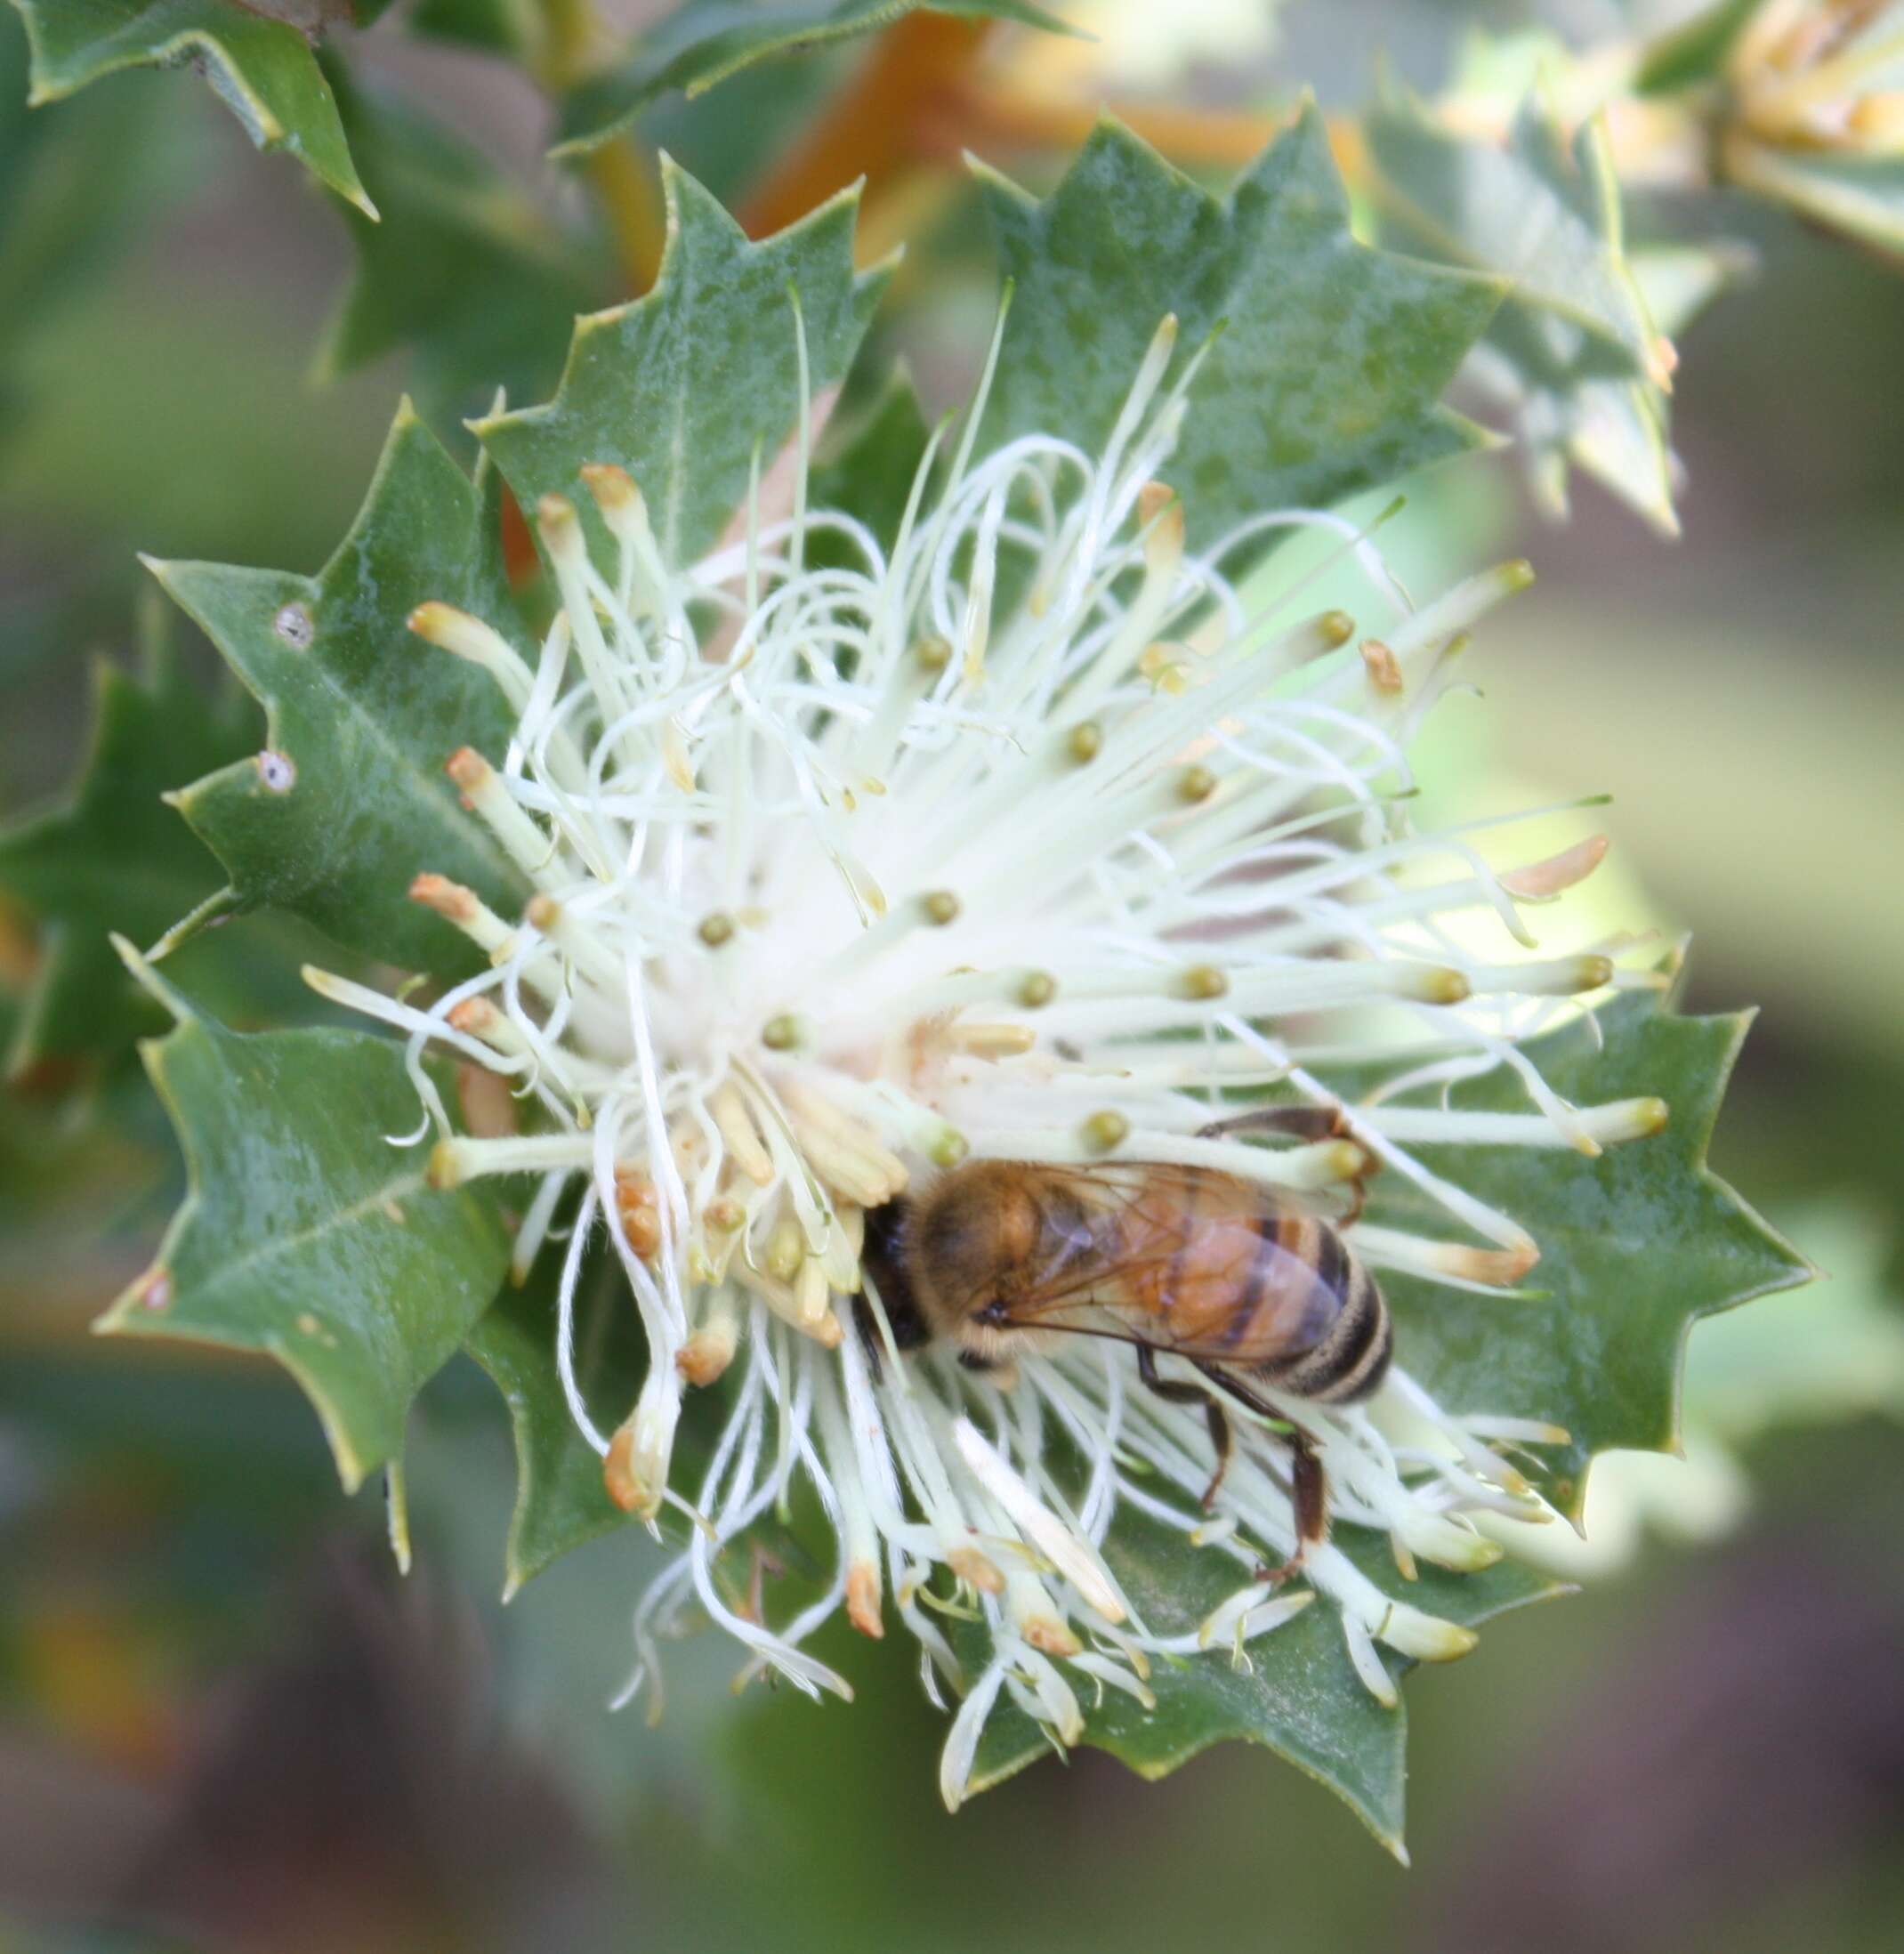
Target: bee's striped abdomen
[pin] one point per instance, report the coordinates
(1350, 1357)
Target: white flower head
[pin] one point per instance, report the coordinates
(1026, 838)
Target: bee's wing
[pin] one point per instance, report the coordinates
(1101, 1301)
(1084, 1315)
(1194, 1306)
(1125, 1183)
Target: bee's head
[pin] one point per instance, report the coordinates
(973, 1235)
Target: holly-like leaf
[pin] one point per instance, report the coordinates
(866, 465)
(560, 1500)
(305, 1234)
(1574, 358)
(1298, 1694)
(1613, 426)
(348, 802)
(113, 859)
(1680, 281)
(263, 69)
(1325, 377)
(704, 41)
(1535, 209)
(681, 387)
(464, 268)
(1635, 1246)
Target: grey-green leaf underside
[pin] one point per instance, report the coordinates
(1574, 358)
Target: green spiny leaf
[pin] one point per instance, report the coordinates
(363, 712)
(113, 859)
(1680, 281)
(1574, 356)
(1325, 376)
(1298, 1694)
(1635, 1246)
(866, 465)
(684, 386)
(1535, 209)
(464, 268)
(305, 1234)
(263, 69)
(560, 1500)
(704, 42)
(1615, 427)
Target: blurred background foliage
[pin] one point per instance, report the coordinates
(225, 1722)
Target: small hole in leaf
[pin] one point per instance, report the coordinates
(276, 771)
(293, 625)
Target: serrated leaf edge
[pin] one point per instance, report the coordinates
(122, 1317)
(679, 186)
(1593, 155)
(228, 902)
(1802, 1270)
(228, 82)
(1465, 435)
(1392, 1843)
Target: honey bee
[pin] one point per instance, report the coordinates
(1247, 1284)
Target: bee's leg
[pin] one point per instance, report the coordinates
(1307, 1122)
(1298, 1122)
(1308, 1494)
(1308, 1487)
(1001, 1371)
(1220, 1441)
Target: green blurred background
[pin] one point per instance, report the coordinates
(226, 1723)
